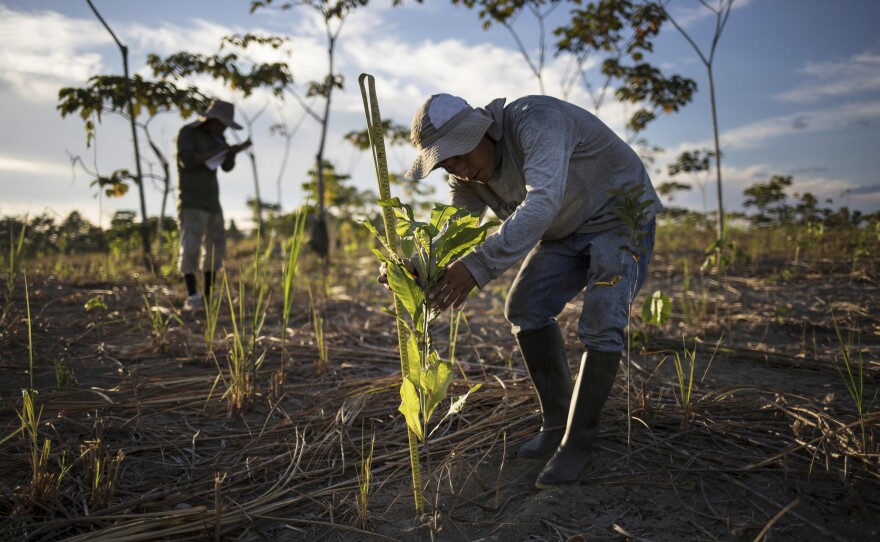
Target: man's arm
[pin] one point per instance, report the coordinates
(547, 149)
(189, 158)
(229, 162)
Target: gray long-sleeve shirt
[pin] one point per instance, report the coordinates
(557, 163)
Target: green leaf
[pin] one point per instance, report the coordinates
(405, 288)
(435, 380)
(96, 302)
(457, 405)
(413, 360)
(657, 309)
(409, 407)
(390, 202)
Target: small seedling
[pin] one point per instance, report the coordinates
(365, 479)
(212, 315)
(323, 360)
(43, 483)
(96, 302)
(450, 234)
(160, 319)
(64, 377)
(853, 376)
(288, 274)
(243, 360)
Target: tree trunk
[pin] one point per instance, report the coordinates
(166, 189)
(720, 224)
(145, 228)
(321, 226)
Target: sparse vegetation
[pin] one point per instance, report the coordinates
(303, 455)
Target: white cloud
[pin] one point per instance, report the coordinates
(736, 180)
(687, 16)
(801, 122)
(859, 74)
(198, 36)
(34, 167)
(820, 120)
(45, 50)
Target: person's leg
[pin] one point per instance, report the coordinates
(189, 279)
(601, 328)
(215, 249)
(552, 274)
(192, 224)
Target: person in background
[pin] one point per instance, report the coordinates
(201, 149)
(545, 167)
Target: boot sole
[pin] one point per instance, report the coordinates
(548, 485)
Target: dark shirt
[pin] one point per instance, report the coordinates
(198, 186)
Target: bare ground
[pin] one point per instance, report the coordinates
(771, 445)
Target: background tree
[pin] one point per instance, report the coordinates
(126, 97)
(670, 188)
(506, 13)
(621, 30)
(241, 75)
(769, 200)
(721, 9)
(145, 231)
(807, 207)
(396, 135)
(333, 13)
(694, 163)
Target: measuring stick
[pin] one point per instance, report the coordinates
(376, 134)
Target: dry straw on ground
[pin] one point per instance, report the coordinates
(769, 447)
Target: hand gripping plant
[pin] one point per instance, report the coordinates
(450, 234)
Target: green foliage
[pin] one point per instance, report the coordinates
(693, 161)
(657, 309)
(853, 376)
(450, 234)
(624, 31)
(64, 377)
(245, 353)
(339, 194)
(96, 302)
(290, 264)
(13, 264)
(631, 208)
(394, 134)
(721, 254)
(685, 374)
(235, 70)
(160, 319)
(107, 93)
(769, 199)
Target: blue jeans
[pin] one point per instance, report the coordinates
(556, 271)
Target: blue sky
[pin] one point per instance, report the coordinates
(798, 91)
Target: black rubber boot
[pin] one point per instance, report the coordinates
(575, 454)
(544, 354)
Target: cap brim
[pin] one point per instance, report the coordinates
(462, 140)
(231, 124)
(226, 122)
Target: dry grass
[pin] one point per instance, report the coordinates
(771, 442)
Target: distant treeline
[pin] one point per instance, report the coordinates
(45, 235)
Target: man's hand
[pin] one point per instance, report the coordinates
(453, 288)
(235, 149)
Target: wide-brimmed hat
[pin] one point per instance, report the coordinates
(222, 111)
(443, 127)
